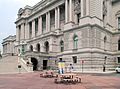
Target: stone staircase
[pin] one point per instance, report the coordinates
(9, 64)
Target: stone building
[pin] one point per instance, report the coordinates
(84, 33)
(9, 46)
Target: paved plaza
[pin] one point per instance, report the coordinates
(33, 81)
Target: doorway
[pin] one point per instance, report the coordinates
(34, 63)
(45, 64)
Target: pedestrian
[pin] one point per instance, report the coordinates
(70, 68)
(103, 68)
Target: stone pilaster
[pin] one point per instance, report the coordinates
(66, 11)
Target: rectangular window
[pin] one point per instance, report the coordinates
(19, 31)
(36, 26)
(52, 20)
(74, 59)
(78, 17)
(30, 29)
(52, 17)
(43, 23)
(118, 23)
(62, 12)
(118, 59)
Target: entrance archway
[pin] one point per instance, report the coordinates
(35, 63)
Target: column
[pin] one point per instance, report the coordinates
(26, 31)
(46, 23)
(82, 5)
(87, 7)
(40, 25)
(66, 11)
(33, 28)
(76, 19)
(22, 31)
(56, 18)
(48, 20)
(17, 33)
(70, 11)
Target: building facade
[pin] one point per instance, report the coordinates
(9, 46)
(84, 33)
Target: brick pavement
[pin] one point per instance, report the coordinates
(33, 81)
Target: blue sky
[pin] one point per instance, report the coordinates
(8, 15)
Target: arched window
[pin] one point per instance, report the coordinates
(38, 47)
(61, 46)
(75, 39)
(31, 48)
(105, 39)
(46, 46)
(119, 45)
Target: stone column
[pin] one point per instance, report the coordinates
(27, 31)
(46, 23)
(48, 20)
(56, 18)
(87, 7)
(70, 11)
(22, 31)
(66, 11)
(7, 48)
(40, 26)
(82, 7)
(33, 28)
(76, 22)
(17, 33)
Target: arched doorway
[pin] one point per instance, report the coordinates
(35, 63)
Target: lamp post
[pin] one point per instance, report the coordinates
(20, 55)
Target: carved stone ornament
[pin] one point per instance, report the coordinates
(20, 11)
(77, 7)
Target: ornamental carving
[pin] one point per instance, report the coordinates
(77, 7)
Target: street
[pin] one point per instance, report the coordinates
(34, 81)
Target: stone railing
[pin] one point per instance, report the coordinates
(28, 67)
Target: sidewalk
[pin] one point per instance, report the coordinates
(34, 81)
